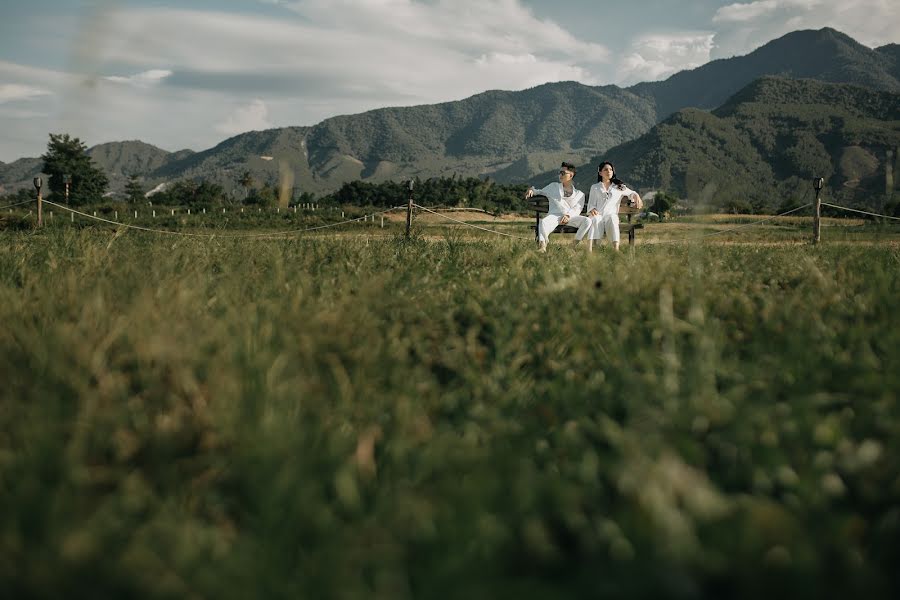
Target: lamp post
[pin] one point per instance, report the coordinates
(38, 182)
(67, 180)
(818, 184)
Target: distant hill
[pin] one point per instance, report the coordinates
(18, 174)
(825, 55)
(509, 136)
(132, 157)
(766, 143)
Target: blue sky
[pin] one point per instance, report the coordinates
(188, 74)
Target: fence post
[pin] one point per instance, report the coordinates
(818, 183)
(409, 207)
(38, 182)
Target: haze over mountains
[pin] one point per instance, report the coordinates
(515, 136)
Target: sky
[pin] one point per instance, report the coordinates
(192, 73)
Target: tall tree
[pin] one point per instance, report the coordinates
(246, 182)
(134, 191)
(68, 156)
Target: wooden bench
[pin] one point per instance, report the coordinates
(541, 206)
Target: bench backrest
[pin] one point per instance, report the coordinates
(541, 204)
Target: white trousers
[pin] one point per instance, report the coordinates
(608, 224)
(550, 222)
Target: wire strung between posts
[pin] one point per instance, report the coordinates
(706, 235)
(860, 211)
(19, 204)
(516, 237)
(225, 235)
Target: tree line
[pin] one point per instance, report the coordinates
(67, 160)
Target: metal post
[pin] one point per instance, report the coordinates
(38, 182)
(818, 183)
(409, 208)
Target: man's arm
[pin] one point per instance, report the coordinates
(533, 191)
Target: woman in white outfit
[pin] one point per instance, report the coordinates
(564, 207)
(603, 203)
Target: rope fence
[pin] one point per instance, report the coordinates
(471, 225)
(862, 212)
(221, 234)
(17, 204)
(720, 232)
(433, 211)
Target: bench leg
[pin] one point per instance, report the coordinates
(631, 236)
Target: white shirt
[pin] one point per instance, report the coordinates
(607, 201)
(560, 204)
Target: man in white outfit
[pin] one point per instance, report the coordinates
(565, 204)
(603, 204)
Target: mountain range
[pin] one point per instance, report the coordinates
(518, 136)
(761, 149)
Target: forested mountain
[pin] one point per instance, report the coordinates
(825, 55)
(509, 136)
(764, 146)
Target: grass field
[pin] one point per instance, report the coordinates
(451, 416)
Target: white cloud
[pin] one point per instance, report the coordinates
(654, 57)
(252, 117)
(745, 27)
(144, 79)
(744, 12)
(13, 92)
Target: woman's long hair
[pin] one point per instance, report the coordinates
(614, 180)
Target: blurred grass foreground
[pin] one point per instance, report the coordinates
(344, 418)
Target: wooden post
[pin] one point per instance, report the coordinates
(818, 183)
(409, 208)
(382, 221)
(38, 182)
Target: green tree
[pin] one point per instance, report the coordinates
(134, 191)
(265, 196)
(68, 156)
(662, 204)
(246, 180)
(192, 194)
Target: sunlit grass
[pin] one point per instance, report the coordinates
(367, 416)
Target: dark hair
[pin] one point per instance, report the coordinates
(569, 166)
(614, 180)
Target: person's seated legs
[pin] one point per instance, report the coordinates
(584, 227)
(545, 228)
